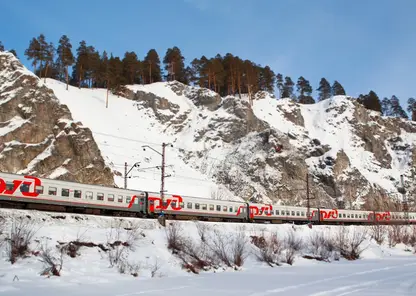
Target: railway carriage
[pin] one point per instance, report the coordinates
(28, 192)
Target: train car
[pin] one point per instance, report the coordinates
(185, 207)
(28, 192)
(48, 194)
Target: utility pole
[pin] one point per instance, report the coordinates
(137, 164)
(125, 175)
(163, 175)
(162, 181)
(308, 202)
(402, 190)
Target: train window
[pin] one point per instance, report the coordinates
(224, 208)
(120, 198)
(356, 215)
(100, 196)
(236, 209)
(24, 188)
(77, 193)
(110, 197)
(204, 207)
(211, 207)
(9, 186)
(173, 204)
(128, 199)
(302, 214)
(88, 195)
(293, 213)
(39, 189)
(52, 191)
(218, 208)
(297, 213)
(197, 206)
(65, 192)
(189, 205)
(181, 204)
(230, 209)
(359, 216)
(287, 213)
(277, 212)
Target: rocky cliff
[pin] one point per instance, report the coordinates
(38, 135)
(345, 154)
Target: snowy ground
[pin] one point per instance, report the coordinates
(380, 271)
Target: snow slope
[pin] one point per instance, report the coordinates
(381, 270)
(122, 129)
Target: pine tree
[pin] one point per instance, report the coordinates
(411, 108)
(32, 52)
(175, 65)
(131, 68)
(280, 85)
(288, 88)
(386, 107)
(49, 59)
(151, 65)
(396, 108)
(43, 53)
(372, 102)
(65, 56)
(267, 79)
(324, 90)
(1, 46)
(337, 89)
(13, 52)
(81, 64)
(305, 90)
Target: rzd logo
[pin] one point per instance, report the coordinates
(18, 183)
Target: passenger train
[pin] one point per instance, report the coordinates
(28, 192)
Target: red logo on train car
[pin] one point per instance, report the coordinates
(156, 203)
(257, 211)
(18, 183)
(386, 216)
(325, 214)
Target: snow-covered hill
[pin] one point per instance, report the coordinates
(222, 141)
(222, 147)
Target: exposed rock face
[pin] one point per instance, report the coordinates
(255, 170)
(37, 134)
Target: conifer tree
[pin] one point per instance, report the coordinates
(397, 109)
(288, 88)
(305, 90)
(267, 79)
(43, 54)
(280, 84)
(337, 89)
(81, 64)
(151, 65)
(12, 51)
(32, 52)
(372, 102)
(1, 46)
(386, 107)
(324, 90)
(131, 67)
(175, 65)
(65, 56)
(411, 108)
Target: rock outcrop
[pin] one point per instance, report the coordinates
(38, 135)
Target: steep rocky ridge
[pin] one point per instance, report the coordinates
(38, 135)
(350, 155)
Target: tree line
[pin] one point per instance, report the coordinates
(226, 75)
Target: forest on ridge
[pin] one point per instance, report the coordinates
(226, 75)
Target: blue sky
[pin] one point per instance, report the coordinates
(364, 44)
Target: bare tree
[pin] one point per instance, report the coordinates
(348, 245)
(52, 264)
(269, 248)
(21, 234)
(377, 233)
